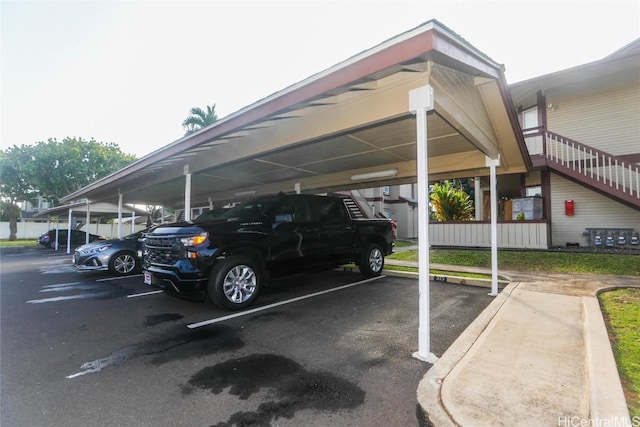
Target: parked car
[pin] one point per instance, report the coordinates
(119, 256)
(229, 258)
(78, 237)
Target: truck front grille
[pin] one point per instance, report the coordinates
(162, 250)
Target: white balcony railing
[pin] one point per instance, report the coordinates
(591, 163)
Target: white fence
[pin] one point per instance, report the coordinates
(511, 235)
(31, 230)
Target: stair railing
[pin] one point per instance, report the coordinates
(362, 203)
(595, 164)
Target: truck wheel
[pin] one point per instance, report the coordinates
(234, 283)
(372, 261)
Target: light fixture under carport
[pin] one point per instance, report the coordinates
(375, 175)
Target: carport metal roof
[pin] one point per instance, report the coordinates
(350, 119)
(101, 209)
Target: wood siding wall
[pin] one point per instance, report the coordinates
(591, 210)
(603, 116)
(511, 235)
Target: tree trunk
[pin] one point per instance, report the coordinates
(13, 211)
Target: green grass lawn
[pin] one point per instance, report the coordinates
(543, 261)
(621, 310)
(28, 242)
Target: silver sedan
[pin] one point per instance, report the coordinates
(119, 256)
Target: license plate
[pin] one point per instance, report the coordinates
(148, 278)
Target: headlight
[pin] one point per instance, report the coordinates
(96, 249)
(194, 240)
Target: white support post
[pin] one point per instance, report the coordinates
(187, 194)
(492, 164)
(119, 215)
(56, 245)
(477, 190)
(296, 187)
(420, 102)
(133, 221)
(87, 220)
(68, 231)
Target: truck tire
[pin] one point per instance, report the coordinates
(372, 261)
(235, 283)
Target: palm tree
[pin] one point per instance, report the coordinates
(199, 119)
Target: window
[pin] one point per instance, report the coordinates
(296, 208)
(534, 191)
(331, 211)
(530, 120)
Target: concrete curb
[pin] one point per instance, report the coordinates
(606, 397)
(449, 278)
(458, 280)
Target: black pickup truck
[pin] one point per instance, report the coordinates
(229, 259)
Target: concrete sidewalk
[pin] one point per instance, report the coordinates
(538, 355)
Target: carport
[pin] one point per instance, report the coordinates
(101, 210)
(369, 121)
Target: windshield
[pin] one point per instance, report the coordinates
(212, 214)
(250, 210)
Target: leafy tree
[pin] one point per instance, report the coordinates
(154, 214)
(450, 203)
(466, 185)
(54, 168)
(199, 119)
(10, 212)
(14, 187)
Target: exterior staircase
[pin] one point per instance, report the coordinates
(356, 204)
(605, 173)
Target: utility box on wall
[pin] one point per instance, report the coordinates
(531, 207)
(569, 207)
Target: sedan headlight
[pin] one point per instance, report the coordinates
(194, 240)
(96, 249)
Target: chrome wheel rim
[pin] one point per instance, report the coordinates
(124, 264)
(239, 284)
(376, 260)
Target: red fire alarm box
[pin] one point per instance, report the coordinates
(569, 207)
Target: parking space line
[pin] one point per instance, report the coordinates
(143, 294)
(277, 304)
(70, 297)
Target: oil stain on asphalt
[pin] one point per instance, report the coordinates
(81, 290)
(161, 318)
(177, 344)
(294, 388)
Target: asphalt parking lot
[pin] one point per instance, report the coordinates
(87, 349)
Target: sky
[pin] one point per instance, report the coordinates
(128, 72)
